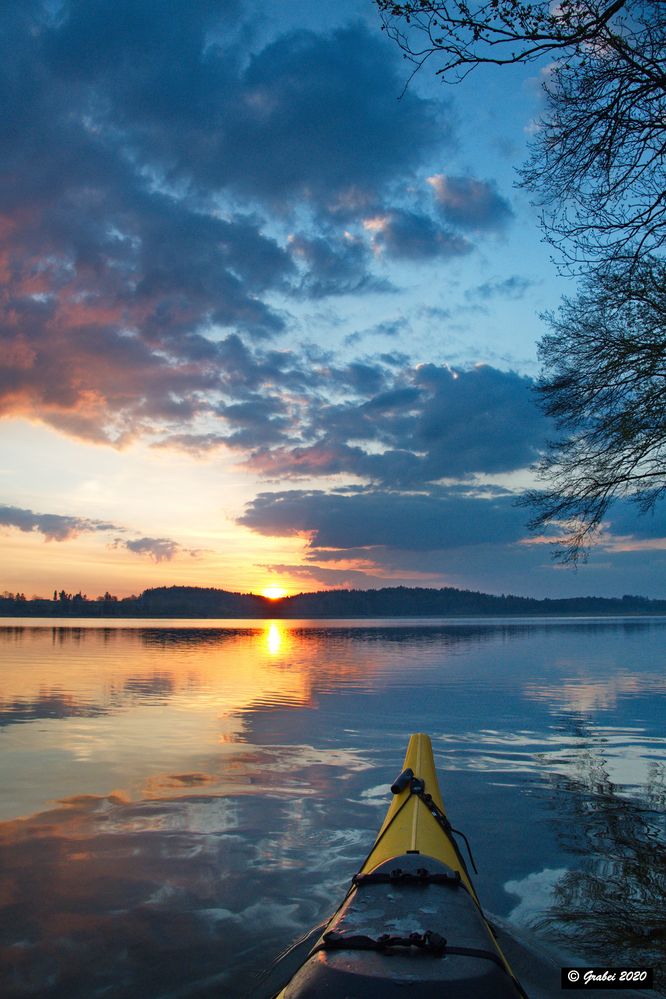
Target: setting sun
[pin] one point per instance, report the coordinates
(274, 592)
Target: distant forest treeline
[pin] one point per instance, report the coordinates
(395, 601)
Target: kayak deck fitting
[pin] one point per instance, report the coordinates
(411, 923)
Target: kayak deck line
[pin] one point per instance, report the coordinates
(412, 892)
(410, 825)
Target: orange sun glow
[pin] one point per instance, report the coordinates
(274, 592)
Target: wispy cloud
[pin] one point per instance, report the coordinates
(512, 287)
(59, 527)
(387, 328)
(52, 526)
(157, 549)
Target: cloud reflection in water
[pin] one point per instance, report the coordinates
(218, 786)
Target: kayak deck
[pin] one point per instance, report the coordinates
(411, 920)
(409, 825)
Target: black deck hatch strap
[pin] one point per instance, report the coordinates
(428, 942)
(422, 876)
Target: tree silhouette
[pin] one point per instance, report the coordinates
(605, 386)
(596, 171)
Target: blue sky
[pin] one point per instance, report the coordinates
(269, 317)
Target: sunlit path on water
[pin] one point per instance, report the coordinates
(195, 796)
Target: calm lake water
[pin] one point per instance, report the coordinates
(180, 800)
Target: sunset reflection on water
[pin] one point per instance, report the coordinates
(195, 797)
(274, 638)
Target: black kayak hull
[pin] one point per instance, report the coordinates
(395, 906)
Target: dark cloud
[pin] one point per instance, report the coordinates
(457, 536)
(410, 236)
(145, 202)
(424, 424)
(148, 152)
(52, 526)
(157, 549)
(408, 431)
(470, 203)
(255, 411)
(323, 110)
(478, 420)
(365, 378)
(439, 519)
(529, 570)
(501, 565)
(335, 266)
(308, 116)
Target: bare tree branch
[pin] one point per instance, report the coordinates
(596, 171)
(597, 162)
(604, 383)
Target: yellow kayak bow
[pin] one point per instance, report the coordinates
(411, 922)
